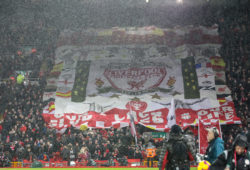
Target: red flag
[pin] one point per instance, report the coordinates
(203, 133)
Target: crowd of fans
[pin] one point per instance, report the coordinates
(24, 134)
(64, 14)
(36, 34)
(233, 28)
(25, 47)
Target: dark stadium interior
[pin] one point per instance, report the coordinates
(24, 134)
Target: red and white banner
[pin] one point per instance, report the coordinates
(112, 118)
(225, 113)
(157, 119)
(95, 80)
(203, 126)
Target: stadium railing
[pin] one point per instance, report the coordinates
(27, 164)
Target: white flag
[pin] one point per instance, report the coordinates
(171, 115)
(132, 125)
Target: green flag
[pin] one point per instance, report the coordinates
(190, 80)
(81, 81)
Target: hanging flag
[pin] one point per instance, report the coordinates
(81, 77)
(217, 63)
(203, 126)
(171, 115)
(190, 80)
(206, 79)
(132, 125)
(65, 83)
(220, 78)
(222, 91)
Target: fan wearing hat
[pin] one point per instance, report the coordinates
(239, 157)
(236, 158)
(176, 153)
(215, 145)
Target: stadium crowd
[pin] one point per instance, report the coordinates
(233, 26)
(24, 134)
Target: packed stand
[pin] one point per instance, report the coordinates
(24, 135)
(233, 28)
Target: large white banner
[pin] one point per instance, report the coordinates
(135, 77)
(98, 72)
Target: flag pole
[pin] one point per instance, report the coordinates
(199, 134)
(171, 114)
(220, 132)
(132, 124)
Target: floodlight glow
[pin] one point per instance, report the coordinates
(179, 1)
